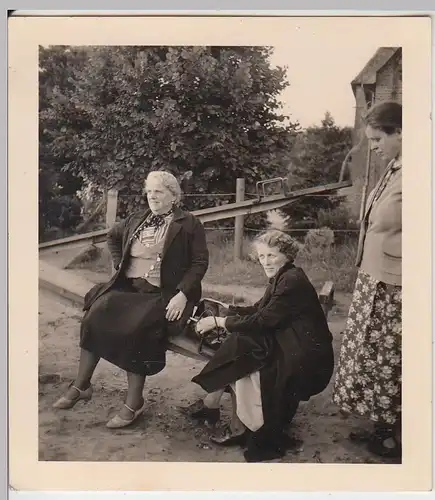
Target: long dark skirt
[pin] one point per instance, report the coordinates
(127, 327)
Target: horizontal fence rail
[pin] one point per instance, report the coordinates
(227, 211)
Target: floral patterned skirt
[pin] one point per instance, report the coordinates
(369, 373)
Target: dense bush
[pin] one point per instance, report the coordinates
(58, 216)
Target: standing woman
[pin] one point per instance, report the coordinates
(160, 258)
(368, 379)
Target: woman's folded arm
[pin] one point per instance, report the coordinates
(242, 310)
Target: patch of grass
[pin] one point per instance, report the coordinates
(335, 263)
(224, 270)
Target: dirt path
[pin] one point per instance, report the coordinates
(164, 434)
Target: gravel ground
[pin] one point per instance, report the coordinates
(164, 433)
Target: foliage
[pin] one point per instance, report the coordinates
(276, 219)
(320, 240)
(316, 159)
(109, 115)
(60, 212)
(123, 111)
(58, 206)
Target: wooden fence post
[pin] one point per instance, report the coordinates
(112, 207)
(239, 220)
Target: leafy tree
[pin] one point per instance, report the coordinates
(316, 159)
(213, 111)
(58, 206)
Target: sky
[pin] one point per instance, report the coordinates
(320, 80)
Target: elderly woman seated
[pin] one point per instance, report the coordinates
(279, 352)
(160, 256)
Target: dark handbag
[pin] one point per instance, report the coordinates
(213, 338)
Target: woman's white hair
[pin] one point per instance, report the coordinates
(168, 181)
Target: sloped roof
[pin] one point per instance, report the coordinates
(367, 75)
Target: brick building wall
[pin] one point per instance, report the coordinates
(389, 80)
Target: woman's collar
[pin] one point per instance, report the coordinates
(395, 164)
(288, 265)
(176, 213)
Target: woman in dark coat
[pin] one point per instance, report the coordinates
(278, 354)
(160, 258)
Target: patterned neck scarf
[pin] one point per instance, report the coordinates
(157, 220)
(153, 220)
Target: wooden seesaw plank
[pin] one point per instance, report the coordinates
(326, 297)
(73, 288)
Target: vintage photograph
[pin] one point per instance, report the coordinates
(220, 253)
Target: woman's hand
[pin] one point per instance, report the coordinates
(204, 325)
(176, 306)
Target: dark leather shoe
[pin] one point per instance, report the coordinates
(254, 454)
(198, 411)
(378, 447)
(264, 446)
(230, 439)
